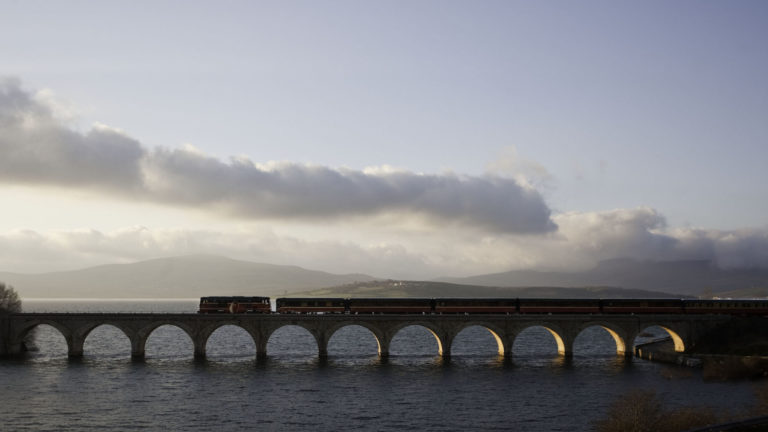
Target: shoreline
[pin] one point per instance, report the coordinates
(713, 366)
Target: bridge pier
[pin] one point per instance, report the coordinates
(322, 345)
(261, 346)
(11, 349)
(383, 347)
(199, 351)
(565, 348)
(75, 347)
(444, 342)
(137, 347)
(507, 341)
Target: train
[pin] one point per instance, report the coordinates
(338, 305)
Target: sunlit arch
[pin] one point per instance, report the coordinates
(616, 333)
(553, 331)
(674, 335)
(425, 325)
(493, 330)
(373, 330)
(679, 344)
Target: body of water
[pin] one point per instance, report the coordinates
(351, 390)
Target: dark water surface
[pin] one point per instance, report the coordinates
(352, 390)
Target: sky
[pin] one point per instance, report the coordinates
(400, 139)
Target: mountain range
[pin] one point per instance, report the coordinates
(398, 288)
(202, 275)
(177, 277)
(677, 277)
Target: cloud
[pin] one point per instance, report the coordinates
(584, 239)
(38, 149)
(641, 233)
(25, 250)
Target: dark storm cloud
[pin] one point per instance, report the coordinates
(35, 148)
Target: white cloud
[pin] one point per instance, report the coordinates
(37, 149)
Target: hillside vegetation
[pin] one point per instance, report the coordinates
(396, 288)
(682, 277)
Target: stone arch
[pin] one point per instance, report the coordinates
(618, 334)
(319, 339)
(440, 337)
(29, 326)
(145, 332)
(205, 334)
(674, 334)
(209, 330)
(378, 335)
(498, 334)
(564, 344)
(62, 329)
(86, 331)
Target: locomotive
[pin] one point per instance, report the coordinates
(237, 304)
(336, 305)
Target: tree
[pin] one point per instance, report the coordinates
(9, 299)
(11, 303)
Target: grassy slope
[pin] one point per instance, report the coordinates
(392, 288)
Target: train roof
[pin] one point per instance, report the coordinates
(390, 298)
(311, 298)
(232, 298)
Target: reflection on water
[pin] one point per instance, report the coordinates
(352, 389)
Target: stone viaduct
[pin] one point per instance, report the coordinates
(685, 330)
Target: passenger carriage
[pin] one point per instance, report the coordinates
(311, 305)
(476, 305)
(556, 306)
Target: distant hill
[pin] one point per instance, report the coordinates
(178, 277)
(682, 277)
(395, 288)
(201, 275)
